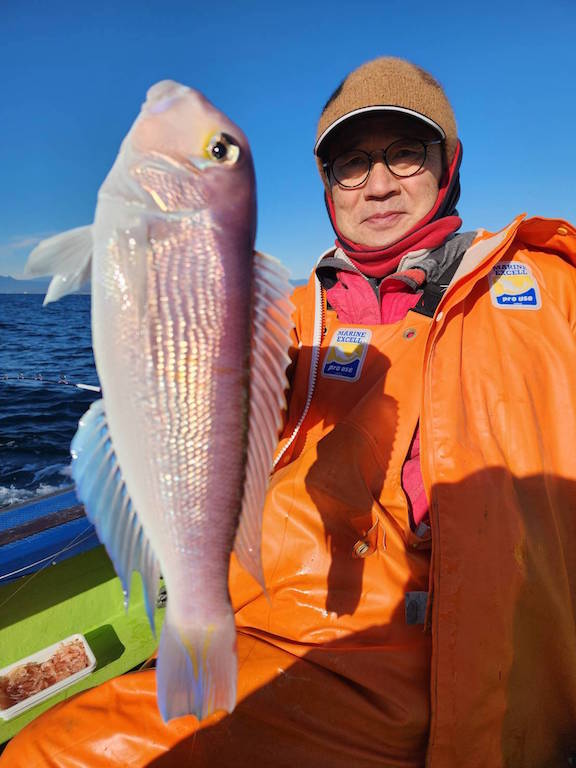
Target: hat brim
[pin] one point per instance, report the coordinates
(376, 108)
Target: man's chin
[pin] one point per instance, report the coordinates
(379, 240)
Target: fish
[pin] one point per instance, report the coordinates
(191, 329)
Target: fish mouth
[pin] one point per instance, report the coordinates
(162, 95)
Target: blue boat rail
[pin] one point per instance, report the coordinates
(41, 532)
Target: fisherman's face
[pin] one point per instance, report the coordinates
(385, 207)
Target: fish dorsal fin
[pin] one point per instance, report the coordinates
(271, 327)
(67, 256)
(101, 488)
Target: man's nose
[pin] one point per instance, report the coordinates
(381, 181)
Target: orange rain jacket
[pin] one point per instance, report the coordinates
(336, 668)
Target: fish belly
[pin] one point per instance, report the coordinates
(171, 348)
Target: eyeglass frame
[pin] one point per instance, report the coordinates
(327, 165)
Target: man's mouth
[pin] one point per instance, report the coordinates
(389, 217)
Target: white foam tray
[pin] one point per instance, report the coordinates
(40, 656)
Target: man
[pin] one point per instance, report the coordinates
(419, 527)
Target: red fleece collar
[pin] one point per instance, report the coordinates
(430, 232)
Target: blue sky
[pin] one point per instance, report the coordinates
(74, 75)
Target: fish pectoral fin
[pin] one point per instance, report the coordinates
(271, 328)
(101, 488)
(196, 668)
(67, 256)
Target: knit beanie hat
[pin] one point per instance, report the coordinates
(395, 86)
(388, 84)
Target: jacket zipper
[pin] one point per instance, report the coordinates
(314, 365)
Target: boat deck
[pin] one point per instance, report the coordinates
(55, 581)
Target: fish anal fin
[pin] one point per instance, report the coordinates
(102, 489)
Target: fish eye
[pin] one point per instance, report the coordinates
(223, 149)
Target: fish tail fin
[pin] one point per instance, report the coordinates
(196, 669)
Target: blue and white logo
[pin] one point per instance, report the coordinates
(512, 286)
(346, 353)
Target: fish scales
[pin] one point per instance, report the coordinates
(193, 453)
(192, 333)
(183, 315)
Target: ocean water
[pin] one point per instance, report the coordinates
(40, 346)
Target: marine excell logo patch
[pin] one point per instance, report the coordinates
(512, 286)
(346, 353)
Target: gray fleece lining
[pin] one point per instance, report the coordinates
(432, 263)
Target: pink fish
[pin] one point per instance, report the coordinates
(190, 333)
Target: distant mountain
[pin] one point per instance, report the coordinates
(37, 285)
(40, 285)
(11, 285)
